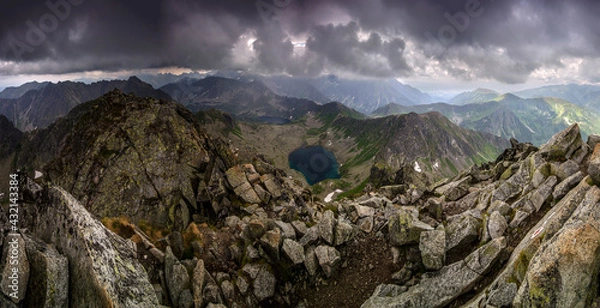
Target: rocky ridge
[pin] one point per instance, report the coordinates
(521, 234)
(489, 236)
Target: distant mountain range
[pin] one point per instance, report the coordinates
(528, 120)
(581, 95)
(37, 105)
(248, 100)
(364, 95)
(16, 92)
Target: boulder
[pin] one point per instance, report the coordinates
(236, 176)
(364, 211)
(311, 236)
(198, 284)
(514, 185)
(519, 218)
(500, 206)
(310, 261)
(566, 185)
(563, 144)
(538, 197)
(344, 232)
(247, 193)
(252, 253)
(293, 251)
(462, 231)
(176, 276)
(454, 190)
(405, 228)
(365, 224)
(375, 202)
(50, 271)
(440, 288)
(228, 290)
(329, 259)
(261, 193)
(391, 191)
(242, 285)
(299, 227)
(264, 283)
(326, 227)
(432, 245)
(256, 228)
(273, 186)
(593, 140)
(496, 225)
(212, 292)
(434, 207)
(271, 243)
(567, 169)
(286, 229)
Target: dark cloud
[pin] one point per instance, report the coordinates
(341, 46)
(505, 40)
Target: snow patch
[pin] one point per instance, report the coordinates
(329, 197)
(567, 121)
(436, 165)
(418, 168)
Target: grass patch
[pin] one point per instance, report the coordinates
(354, 192)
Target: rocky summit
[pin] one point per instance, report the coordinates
(137, 206)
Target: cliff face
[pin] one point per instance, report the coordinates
(91, 266)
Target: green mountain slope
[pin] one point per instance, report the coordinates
(584, 95)
(527, 120)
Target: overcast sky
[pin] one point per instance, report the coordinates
(433, 45)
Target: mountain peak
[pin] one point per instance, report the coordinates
(477, 96)
(135, 79)
(508, 96)
(485, 90)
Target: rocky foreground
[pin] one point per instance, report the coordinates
(523, 231)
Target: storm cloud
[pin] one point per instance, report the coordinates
(509, 41)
